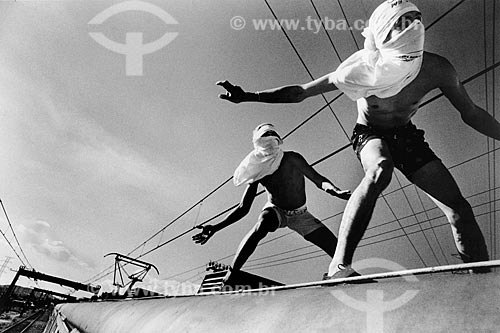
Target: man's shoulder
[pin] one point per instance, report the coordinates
(292, 158)
(435, 61)
(291, 154)
(438, 68)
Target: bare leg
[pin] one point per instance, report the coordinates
(324, 239)
(437, 182)
(378, 166)
(268, 222)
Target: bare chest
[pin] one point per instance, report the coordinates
(286, 178)
(396, 110)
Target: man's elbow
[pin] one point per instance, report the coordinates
(471, 117)
(243, 209)
(298, 94)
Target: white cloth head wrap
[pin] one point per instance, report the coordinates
(383, 69)
(264, 160)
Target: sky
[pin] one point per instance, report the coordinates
(97, 156)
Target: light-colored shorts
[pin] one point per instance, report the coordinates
(299, 220)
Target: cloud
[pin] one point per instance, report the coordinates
(38, 235)
(61, 139)
(104, 157)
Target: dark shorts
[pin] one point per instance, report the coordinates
(406, 144)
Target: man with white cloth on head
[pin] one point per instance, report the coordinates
(388, 78)
(282, 175)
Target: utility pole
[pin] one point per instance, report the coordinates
(4, 265)
(32, 274)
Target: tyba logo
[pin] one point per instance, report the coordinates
(375, 305)
(134, 49)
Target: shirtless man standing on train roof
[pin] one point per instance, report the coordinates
(388, 79)
(282, 173)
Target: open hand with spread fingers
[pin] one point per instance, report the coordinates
(207, 232)
(234, 93)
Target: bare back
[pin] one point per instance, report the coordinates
(286, 186)
(397, 110)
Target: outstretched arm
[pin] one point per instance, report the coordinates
(285, 94)
(320, 181)
(471, 114)
(235, 215)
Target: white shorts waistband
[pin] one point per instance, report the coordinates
(297, 211)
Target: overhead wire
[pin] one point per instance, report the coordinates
(398, 179)
(187, 231)
(380, 225)
(425, 103)
(430, 223)
(103, 273)
(362, 244)
(310, 74)
(486, 94)
(357, 46)
(15, 236)
(12, 247)
(493, 107)
(326, 32)
(229, 179)
(436, 226)
(161, 244)
(426, 211)
(305, 66)
(184, 213)
(232, 254)
(328, 104)
(351, 30)
(444, 14)
(461, 163)
(198, 274)
(364, 239)
(413, 211)
(402, 229)
(413, 215)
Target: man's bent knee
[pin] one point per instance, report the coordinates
(268, 222)
(459, 211)
(380, 174)
(260, 231)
